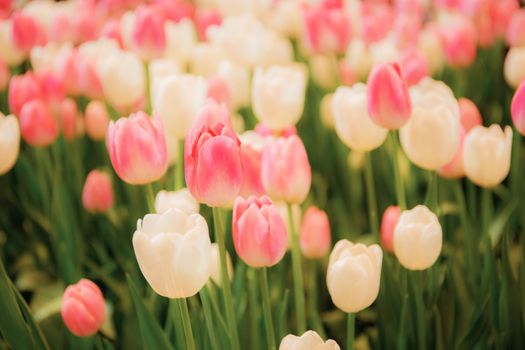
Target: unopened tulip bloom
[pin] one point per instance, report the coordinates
(259, 233)
(454, 169)
(37, 124)
(517, 109)
(387, 96)
(415, 66)
(26, 32)
(352, 122)
(324, 71)
(278, 95)
(83, 308)
(4, 75)
(431, 46)
(22, 89)
(326, 111)
(159, 70)
(237, 77)
(513, 68)
(68, 118)
(285, 171)
(516, 29)
(459, 41)
(173, 250)
(137, 148)
(181, 199)
(388, 224)
(310, 340)
(205, 19)
(8, 51)
(469, 114)
(487, 154)
(251, 152)
(219, 91)
(418, 238)
(97, 194)
(358, 58)
(354, 274)
(180, 40)
(314, 235)
(147, 34)
(9, 142)
(216, 265)
(96, 120)
(212, 159)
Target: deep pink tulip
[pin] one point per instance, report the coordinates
(176, 10)
(454, 169)
(97, 194)
(517, 109)
(148, 34)
(314, 235)
(388, 224)
(96, 120)
(259, 233)
(387, 96)
(52, 89)
(460, 43)
(205, 19)
(285, 171)
(26, 32)
(137, 148)
(212, 158)
(68, 118)
(415, 66)
(38, 126)
(22, 89)
(501, 13)
(469, 114)
(83, 308)
(516, 29)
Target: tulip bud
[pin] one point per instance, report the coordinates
(9, 142)
(147, 36)
(173, 251)
(22, 89)
(417, 238)
(180, 40)
(278, 95)
(137, 148)
(354, 274)
(310, 340)
(431, 46)
(237, 78)
(4, 75)
(216, 265)
(181, 200)
(326, 111)
(97, 194)
(324, 71)
(352, 122)
(517, 109)
(414, 65)
(388, 224)
(205, 19)
(83, 308)
(469, 114)
(487, 154)
(212, 159)
(159, 70)
(68, 118)
(459, 41)
(285, 171)
(516, 29)
(219, 91)
(25, 32)
(513, 67)
(259, 234)
(358, 58)
(8, 51)
(314, 235)
(387, 96)
(96, 120)
(251, 152)
(454, 169)
(37, 124)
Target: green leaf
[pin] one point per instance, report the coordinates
(401, 338)
(500, 221)
(152, 335)
(478, 327)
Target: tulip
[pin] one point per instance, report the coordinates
(324, 71)
(22, 89)
(237, 78)
(8, 51)
(137, 148)
(159, 70)
(4, 75)
(516, 29)
(454, 169)
(212, 159)
(459, 41)
(216, 265)
(25, 32)
(487, 154)
(517, 109)
(205, 19)
(358, 58)
(181, 200)
(69, 118)
(278, 95)
(387, 96)
(180, 40)
(9, 142)
(251, 153)
(37, 124)
(259, 233)
(353, 276)
(388, 224)
(431, 45)
(326, 111)
(173, 250)
(352, 122)
(178, 101)
(430, 139)
(96, 120)
(414, 65)
(513, 67)
(417, 238)
(83, 308)
(147, 36)
(219, 91)
(97, 194)
(314, 235)
(469, 114)
(285, 171)
(206, 57)
(310, 340)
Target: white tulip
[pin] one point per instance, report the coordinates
(8, 52)
(310, 340)
(326, 111)
(9, 142)
(324, 70)
(514, 68)
(216, 265)
(181, 199)
(205, 58)
(430, 44)
(359, 58)
(180, 40)
(237, 78)
(159, 70)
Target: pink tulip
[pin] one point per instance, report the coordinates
(501, 12)
(148, 31)
(469, 114)
(97, 194)
(485, 30)
(264, 130)
(4, 75)
(517, 109)
(111, 30)
(259, 233)
(52, 89)
(5, 8)
(83, 308)
(37, 124)
(377, 20)
(285, 171)
(176, 10)
(454, 169)
(205, 19)
(459, 41)
(516, 29)
(314, 235)
(414, 65)
(96, 120)
(68, 118)
(88, 78)
(22, 89)
(387, 94)
(137, 148)
(251, 153)
(218, 90)
(212, 158)
(388, 224)
(406, 30)
(26, 32)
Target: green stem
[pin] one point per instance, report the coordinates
(225, 281)
(350, 331)
(253, 305)
(371, 197)
(148, 107)
(150, 196)
(400, 192)
(179, 166)
(486, 199)
(267, 308)
(420, 309)
(186, 324)
(176, 316)
(206, 305)
(297, 275)
(313, 311)
(431, 198)
(465, 224)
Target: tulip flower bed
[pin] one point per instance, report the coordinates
(288, 174)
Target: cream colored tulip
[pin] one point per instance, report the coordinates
(487, 154)
(352, 122)
(431, 45)
(216, 265)
(310, 340)
(205, 58)
(431, 136)
(173, 251)
(159, 70)
(237, 78)
(417, 238)
(177, 102)
(278, 95)
(325, 71)
(354, 274)
(326, 111)
(9, 142)
(46, 58)
(180, 40)
(384, 51)
(286, 18)
(181, 199)
(359, 58)
(513, 68)
(8, 52)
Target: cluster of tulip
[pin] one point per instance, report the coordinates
(233, 117)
